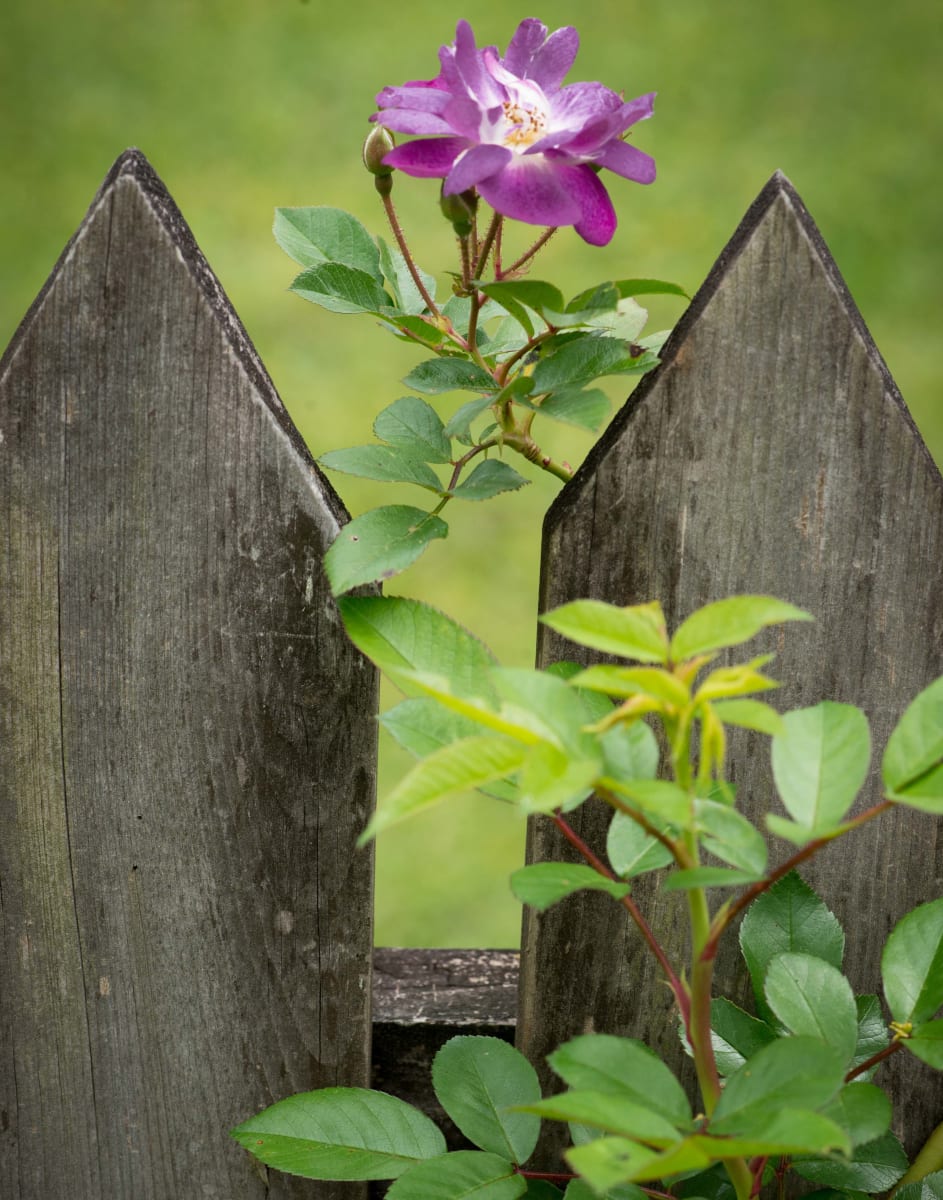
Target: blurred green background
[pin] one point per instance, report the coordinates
(244, 105)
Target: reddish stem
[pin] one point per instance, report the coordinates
(874, 1060)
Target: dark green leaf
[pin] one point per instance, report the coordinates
(928, 1188)
(792, 1072)
(544, 884)
(736, 1036)
(392, 464)
(637, 631)
(874, 1167)
(379, 544)
(459, 425)
(489, 478)
(631, 850)
(477, 1081)
(623, 1067)
(912, 964)
(863, 1110)
(458, 1176)
(586, 409)
(730, 622)
(788, 917)
(341, 1133)
(312, 236)
(913, 760)
(343, 289)
(580, 360)
(414, 425)
(629, 287)
(872, 1030)
(513, 293)
(812, 997)
(437, 375)
(820, 761)
(926, 1042)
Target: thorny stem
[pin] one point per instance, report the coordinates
(875, 1059)
(464, 248)
(726, 915)
(524, 444)
(407, 257)
(529, 254)
(457, 468)
(485, 248)
(677, 987)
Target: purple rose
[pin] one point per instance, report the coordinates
(508, 128)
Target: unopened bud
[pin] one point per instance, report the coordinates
(379, 142)
(460, 210)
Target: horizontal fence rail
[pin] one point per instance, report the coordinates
(188, 740)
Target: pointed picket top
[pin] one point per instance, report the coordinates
(771, 453)
(187, 738)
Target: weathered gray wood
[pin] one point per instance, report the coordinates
(186, 737)
(771, 452)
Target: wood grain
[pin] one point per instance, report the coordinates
(187, 739)
(771, 452)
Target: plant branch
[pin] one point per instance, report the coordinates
(407, 257)
(529, 254)
(677, 987)
(485, 248)
(677, 850)
(875, 1059)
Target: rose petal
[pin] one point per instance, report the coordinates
(555, 57)
(408, 121)
(628, 162)
(471, 68)
(529, 36)
(597, 221)
(428, 158)
(532, 189)
(475, 165)
(465, 117)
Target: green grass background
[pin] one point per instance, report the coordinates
(243, 105)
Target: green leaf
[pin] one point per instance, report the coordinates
(437, 375)
(631, 850)
(392, 464)
(342, 289)
(459, 424)
(660, 799)
(812, 997)
(872, 1029)
(379, 544)
(613, 1114)
(540, 1189)
(341, 1133)
(460, 1175)
(488, 479)
(630, 752)
(930, 1187)
(656, 682)
(580, 360)
(912, 964)
(736, 1036)
(599, 1062)
(610, 1161)
(552, 778)
(749, 714)
(730, 622)
(730, 836)
(532, 293)
(455, 768)
(477, 1080)
(862, 1110)
(629, 287)
(396, 634)
(625, 321)
(782, 1131)
(912, 767)
(820, 762)
(312, 236)
(788, 918)
(584, 408)
(543, 884)
(397, 274)
(414, 425)
(926, 1042)
(792, 1072)
(708, 877)
(874, 1167)
(637, 631)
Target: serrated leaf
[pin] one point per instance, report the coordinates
(728, 623)
(397, 274)
(379, 544)
(489, 478)
(459, 425)
(912, 767)
(437, 375)
(632, 851)
(612, 1114)
(789, 917)
(316, 235)
(584, 408)
(930, 1187)
(874, 1167)
(391, 464)
(341, 1133)
(926, 1042)
(872, 1030)
(793, 1072)
(343, 289)
(414, 425)
(542, 885)
(862, 1110)
(708, 877)
(457, 767)
(820, 762)
(623, 1067)
(637, 631)
(479, 1081)
(512, 294)
(811, 997)
(581, 360)
(912, 964)
(630, 287)
(735, 1035)
(729, 836)
(459, 1176)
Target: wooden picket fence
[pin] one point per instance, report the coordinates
(187, 740)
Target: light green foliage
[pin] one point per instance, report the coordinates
(812, 997)
(458, 1175)
(913, 760)
(912, 964)
(543, 884)
(379, 544)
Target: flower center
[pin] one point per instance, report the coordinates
(524, 124)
